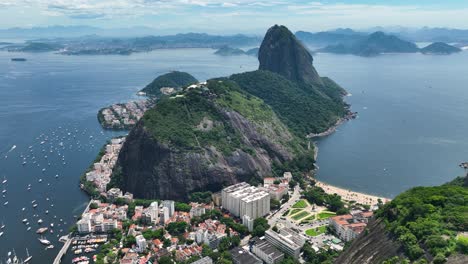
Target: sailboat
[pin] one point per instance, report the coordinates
(28, 258)
(4, 180)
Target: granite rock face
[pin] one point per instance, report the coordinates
(151, 169)
(282, 53)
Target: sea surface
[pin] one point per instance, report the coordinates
(48, 109)
(411, 128)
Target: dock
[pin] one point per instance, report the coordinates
(68, 240)
(64, 250)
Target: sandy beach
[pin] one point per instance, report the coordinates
(349, 195)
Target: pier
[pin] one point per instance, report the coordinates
(64, 250)
(68, 240)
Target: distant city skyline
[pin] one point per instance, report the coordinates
(226, 16)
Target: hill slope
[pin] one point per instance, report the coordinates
(173, 79)
(440, 48)
(421, 223)
(203, 140)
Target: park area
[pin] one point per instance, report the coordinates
(316, 231)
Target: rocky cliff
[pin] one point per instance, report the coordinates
(203, 140)
(282, 53)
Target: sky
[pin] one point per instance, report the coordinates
(226, 16)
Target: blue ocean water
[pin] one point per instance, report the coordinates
(410, 130)
(48, 111)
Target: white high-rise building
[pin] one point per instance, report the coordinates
(164, 215)
(141, 243)
(170, 205)
(242, 199)
(153, 210)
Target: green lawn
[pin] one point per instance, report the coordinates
(300, 204)
(316, 231)
(295, 211)
(308, 219)
(300, 215)
(325, 215)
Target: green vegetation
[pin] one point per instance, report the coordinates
(177, 228)
(308, 219)
(295, 211)
(300, 215)
(316, 231)
(201, 197)
(427, 219)
(333, 202)
(173, 79)
(260, 226)
(325, 215)
(303, 108)
(300, 204)
(179, 206)
(321, 257)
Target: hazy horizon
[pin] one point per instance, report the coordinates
(229, 17)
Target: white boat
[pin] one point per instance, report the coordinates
(4, 191)
(44, 241)
(25, 220)
(23, 209)
(49, 247)
(47, 211)
(2, 226)
(4, 180)
(34, 205)
(33, 201)
(1, 234)
(29, 228)
(5, 203)
(28, 258)
(39, 221)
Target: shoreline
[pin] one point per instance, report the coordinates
(346, 194)
(349, 195)
(349, 116)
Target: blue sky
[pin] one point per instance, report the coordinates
(226, 16)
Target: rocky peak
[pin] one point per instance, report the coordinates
(282, 53)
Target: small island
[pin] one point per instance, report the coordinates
(375, 44)
(440, 48)
(18, 59)
(228, 51)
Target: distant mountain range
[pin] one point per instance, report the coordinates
(380, 43)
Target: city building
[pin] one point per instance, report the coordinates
(266, 251)
(241, 256)
(205, 260)
(242, 199)
(349, 226)
(170, 205)
(287, 240)
(141, 243)
(84, 225)
(197, 210)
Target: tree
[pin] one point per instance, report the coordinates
(176, 228)
(179, 206)
(93, 206)
(274, 204)
(129, 241)
(165, 260)
(260, 226)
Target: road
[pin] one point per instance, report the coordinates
(273, 219)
